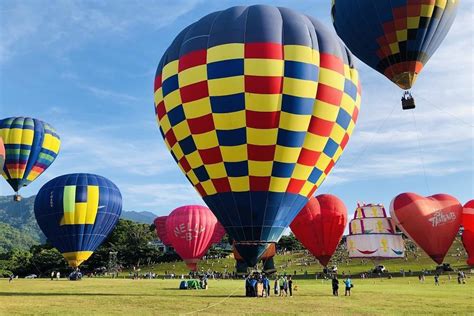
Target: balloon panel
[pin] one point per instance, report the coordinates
(377, 246)
(256, 105)
(2, 153)
(378, 225)
(76, 212)
(396, 38)
(31, 147)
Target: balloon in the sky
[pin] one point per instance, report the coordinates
(256, 105)
(319, 226)
(396, 38)
(468, 233)
(31, 146)
(372, 234)
(76, 212)
(2, 154)
(191, 230)
(160, 226)
(431, 222)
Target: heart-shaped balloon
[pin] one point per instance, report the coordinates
(431, 222)
(468, 234)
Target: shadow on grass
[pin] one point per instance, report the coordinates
(65, 294)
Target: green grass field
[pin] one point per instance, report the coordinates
(161, 297)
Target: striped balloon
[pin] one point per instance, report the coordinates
(256, 105)
(394, 37)
(76, 212)
(31, 146)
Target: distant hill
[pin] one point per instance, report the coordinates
(18, 227)
(140, 217)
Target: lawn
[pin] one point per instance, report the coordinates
(146, 297)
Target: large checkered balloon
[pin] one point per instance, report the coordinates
(256, 105)
(394, 37)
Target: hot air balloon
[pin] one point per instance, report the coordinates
(372, 234)
(192, 230)
(396, 38)
(256, 105)
(266, 258)
(76, 212)
(468, 233)
(431, 222)
(319, 226)
(2, 154)
(160, 226)
(31, 146)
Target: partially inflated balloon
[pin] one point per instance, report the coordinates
(468, 233)
(2, 154)
(431, 222)
(191, 230)
(396, 38)
(76, 212)
(31, 146)
(160, 226)
(256, 105)
(319, 226)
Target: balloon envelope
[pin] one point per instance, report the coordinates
(256, 105)
(431, 222)
(319, 226)
(2, 154)
(468, 233)
(396, 38)
(191, 230)
(76, 212)
(160, 226)
(31, 146)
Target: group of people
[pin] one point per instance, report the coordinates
(56, 274)
(258, 285)
(335, 286)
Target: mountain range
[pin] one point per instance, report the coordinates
(18, 227)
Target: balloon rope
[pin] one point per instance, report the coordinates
(444, 111)
(215, 304)
(422, 160)
(368, 144)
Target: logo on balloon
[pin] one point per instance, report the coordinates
(188, 232)
(439, 218)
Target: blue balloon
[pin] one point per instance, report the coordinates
(77, 212)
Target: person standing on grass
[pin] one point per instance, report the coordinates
(58, 275)
(52, 275)
(285, 285)
(275, 286)
(266, 286)
(290, 285)
(281, 281)
(335, 286)
(348, 283)
(436, 279)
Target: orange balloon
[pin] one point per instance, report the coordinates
(431, 222)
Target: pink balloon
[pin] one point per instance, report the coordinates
(160, 226)
(192, 229)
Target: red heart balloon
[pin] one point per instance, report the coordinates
(320, 224)
(468, 234)
(431, 222)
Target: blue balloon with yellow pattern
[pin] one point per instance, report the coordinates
(256, 105)
(31, 146)
(77, 212)
(394, 37)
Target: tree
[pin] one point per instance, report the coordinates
(289, 243)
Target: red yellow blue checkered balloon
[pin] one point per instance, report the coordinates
(256, 105)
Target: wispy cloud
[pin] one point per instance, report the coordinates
(63, 25)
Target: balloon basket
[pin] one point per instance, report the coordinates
(17, 198)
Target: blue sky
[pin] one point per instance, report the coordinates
(87, 68)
